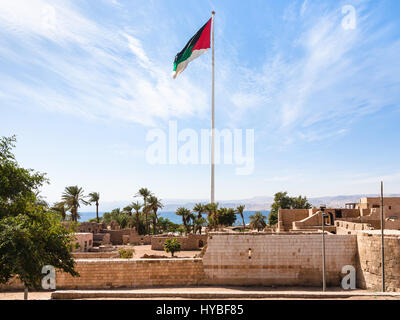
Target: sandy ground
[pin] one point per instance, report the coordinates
(146, 249)
(47, 295)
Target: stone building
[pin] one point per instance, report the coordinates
(367, 211)
(83, 242)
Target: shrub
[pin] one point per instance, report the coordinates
(126, 253)
(172, 245)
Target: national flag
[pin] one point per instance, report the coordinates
(196, 46)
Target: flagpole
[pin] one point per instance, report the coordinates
(212, 113)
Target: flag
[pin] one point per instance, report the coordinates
(196, 46)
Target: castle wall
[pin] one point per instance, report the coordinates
(277, 259)
(369, 273)
(127, 273)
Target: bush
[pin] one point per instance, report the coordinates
(126, 253)
(172, 245)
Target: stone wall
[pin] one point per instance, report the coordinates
(369, 273)
(139, 239)
(127, 273)
(116, 235)
(345, 227)
(286, 217)
(95, 255)
(117, 273)
(277, 259)
(83, 241)
(189, 242)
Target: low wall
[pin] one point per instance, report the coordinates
(128, 273)
(189, 242)
(95, 255)
(277, 259)
(345, 227)
(139, 239)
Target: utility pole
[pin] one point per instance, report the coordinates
(382, 240)
(322, 207)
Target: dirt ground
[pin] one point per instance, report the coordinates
(289, 290)
(140, 250)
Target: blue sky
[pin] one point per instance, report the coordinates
(82, 82)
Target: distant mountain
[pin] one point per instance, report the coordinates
(254, 203)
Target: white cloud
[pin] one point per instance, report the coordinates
(319, 91)
(87, 69)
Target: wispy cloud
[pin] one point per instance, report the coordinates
(87, 69)
(328, 78)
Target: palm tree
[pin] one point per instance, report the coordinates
(155, 204)
(185, 214)
(137, 206)
(199, 209)
(145, 193)
(211, 210)
(257, 221)
(240, 210)
(73, 197)
(95, 197)
(61, 208)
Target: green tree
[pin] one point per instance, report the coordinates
(211, 210)
(167, 225)
(283, 201)
(19, 187)
(31, 236)
(199, 221)
(172, 245)
(60, 208)
(240, 210)
(145, 194)
(225, 217)
(95, 197)
(73, 197)
(198, 224)
(257, 221)
(154, 203)
(137, 206)
(186, 216)
(300, 203)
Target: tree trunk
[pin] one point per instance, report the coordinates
(244, 226)
(137, 222)
(97, 212)
(26, 293)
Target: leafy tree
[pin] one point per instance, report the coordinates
(172, 245)
(31, 236)
(30, 241)
(186, 216)
(95, 197)
(137, 206)
(257, 221)
(154, 203)
(60, 208)
(240, 210)
(198, 224)
(283, 201)
(145, 194)
(211, 210)
(225, 217)
(300, 203)
(167, 225)
(19, 187)
(73, 197)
